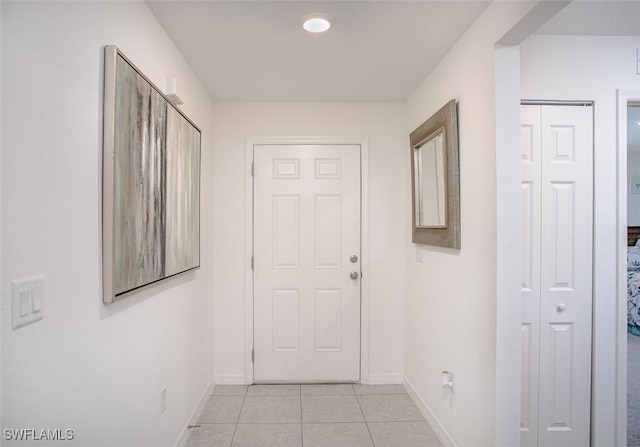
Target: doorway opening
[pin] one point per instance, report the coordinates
(630, 131)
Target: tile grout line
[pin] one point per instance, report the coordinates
(235, 429)
(301, 425)
(366, 423)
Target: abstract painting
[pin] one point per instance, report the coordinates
(151, 183)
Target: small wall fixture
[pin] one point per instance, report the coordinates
(171, 91)
(447, 380)
(317, 22)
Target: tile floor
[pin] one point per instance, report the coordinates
(339, 415)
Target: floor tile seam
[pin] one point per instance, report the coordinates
(301, 421)
(216, 423)
(235, 429)
(327, 423)
(382, 394)
(268, 423)
(386, 421)
(373, 443)
(274, 395)
(328, 394)
(360, 421)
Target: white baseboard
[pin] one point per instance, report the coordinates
(230, 379)
(385, 379)
(428, 414)
(195, 415)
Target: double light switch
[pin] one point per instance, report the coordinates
(26, 303)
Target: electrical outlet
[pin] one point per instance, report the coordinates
(163, 399)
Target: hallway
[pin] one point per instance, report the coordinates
(339, 415)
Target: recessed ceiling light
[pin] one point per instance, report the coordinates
(317, 22)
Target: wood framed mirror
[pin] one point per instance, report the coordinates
(435, 180)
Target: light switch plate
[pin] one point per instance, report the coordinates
(26, 301)
(419, 253)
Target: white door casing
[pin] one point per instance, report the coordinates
(306, 228)
(557, 185)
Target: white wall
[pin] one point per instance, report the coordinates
(92, 368)
(592, 68)
(383, 125)
(450, 308)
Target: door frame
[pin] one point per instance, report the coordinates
(624, 96)
(250, 143)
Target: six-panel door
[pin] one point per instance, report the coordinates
(557, 197)
(306, 231)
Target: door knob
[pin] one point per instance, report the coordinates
(353, 275)
(353, 259)
(561, 307)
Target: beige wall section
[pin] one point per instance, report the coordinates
(383, 125)
(450, 308)
(592, 68)
(94, 368)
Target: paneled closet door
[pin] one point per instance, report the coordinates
(557, 186)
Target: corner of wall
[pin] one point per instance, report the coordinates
(439, 429)
(509, 255)
(435, 291)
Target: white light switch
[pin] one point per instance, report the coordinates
(419, 253)
(36, 296)
(26, 301)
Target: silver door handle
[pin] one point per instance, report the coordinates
(353, 275)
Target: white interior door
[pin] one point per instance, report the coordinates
(557, 186)
(530, 135)
(306, 263)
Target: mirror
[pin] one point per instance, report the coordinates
(428, 159)
(435, 180)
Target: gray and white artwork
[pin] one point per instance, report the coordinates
(183, 195)
(156, 212)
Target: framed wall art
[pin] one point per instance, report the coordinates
(435, 180)
(151, 183)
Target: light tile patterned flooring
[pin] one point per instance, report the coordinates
(339, 415)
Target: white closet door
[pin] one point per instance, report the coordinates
(565, 265)
(530, 134)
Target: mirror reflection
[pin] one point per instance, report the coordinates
(429, 187)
